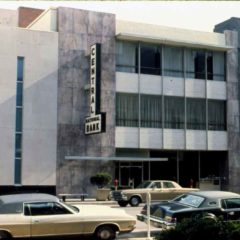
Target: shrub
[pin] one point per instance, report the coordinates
(101, 179)
(198, 228)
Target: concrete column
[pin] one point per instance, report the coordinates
(233, 111)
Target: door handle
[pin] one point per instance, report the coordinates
(36, 221)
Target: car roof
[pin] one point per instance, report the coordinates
(25, 197)
(216, 194)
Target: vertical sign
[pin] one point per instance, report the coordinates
(96, 122)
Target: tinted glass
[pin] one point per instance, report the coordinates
(190, 200)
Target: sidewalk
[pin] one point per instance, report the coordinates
(90, 201)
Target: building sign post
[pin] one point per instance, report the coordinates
(96, 122)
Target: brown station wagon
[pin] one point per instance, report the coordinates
(43, 215)
(159, 189)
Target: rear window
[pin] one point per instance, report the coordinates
(190, 200)
(11, 208)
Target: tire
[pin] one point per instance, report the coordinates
(122, 203)
(105, 233)
(210, 217)
(135, 201)
(5, 235)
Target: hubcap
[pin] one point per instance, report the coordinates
(105, 234)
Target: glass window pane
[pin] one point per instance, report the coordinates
(18, 145)
(127, 110)
(196, 114)
(151, 111)
(173, 61)
(18, 119)
(150, 59)
(18, 170)
(126, 57)
(216, 115)
(174, 112)
(19, 94)
(219, 66)
(20, 68)
(195, 64)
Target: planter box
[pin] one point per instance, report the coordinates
(102, 194)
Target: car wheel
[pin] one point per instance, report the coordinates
(122, 203)
(210, 217)
(4, 235)
(105, 233)
(134, 201)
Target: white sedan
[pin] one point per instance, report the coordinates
(43, 215)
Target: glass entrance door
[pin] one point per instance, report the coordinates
(130, 174)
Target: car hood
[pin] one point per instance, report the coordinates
(102, 211)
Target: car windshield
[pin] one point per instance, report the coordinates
(144, 184)
(75, 209)
(189, 200)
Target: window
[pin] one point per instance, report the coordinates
(202, 64)
(19, 117)
(150, 59)
(151, 111)
(127, 57)
(168, 185)
(173, 61)
(48, 208)
(216, 115)
(174, 112)
(127, 110)
(231, 203)
(218, 66)
(196, 114)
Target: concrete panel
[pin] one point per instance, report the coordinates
(126, 82)
(151, 138)
(7, 150)
(126, 137)
(217, 90)
(196, 140)
(39, 157)
(173, 139)
(170, 35)
(8, 18)
(173, 86)
(195, 88)
(150, 84)
(217, 140)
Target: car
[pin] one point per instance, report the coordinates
(159, 190)
(43, 215)
(211, 205)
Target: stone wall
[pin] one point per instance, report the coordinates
(78, 30)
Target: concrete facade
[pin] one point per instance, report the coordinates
(78, 30)
(233, 93)
(40, 52)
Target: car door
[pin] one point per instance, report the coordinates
(231, 208)
(52, 219)
(166, 192)
(156, 188)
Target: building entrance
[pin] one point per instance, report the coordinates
(131, 174)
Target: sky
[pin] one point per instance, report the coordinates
(194, 15)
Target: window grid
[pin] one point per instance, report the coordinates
(201, 64)
(151, 112)
(18, 123)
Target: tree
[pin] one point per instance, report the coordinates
(101, 179)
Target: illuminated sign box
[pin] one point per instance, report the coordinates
(97, 121)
